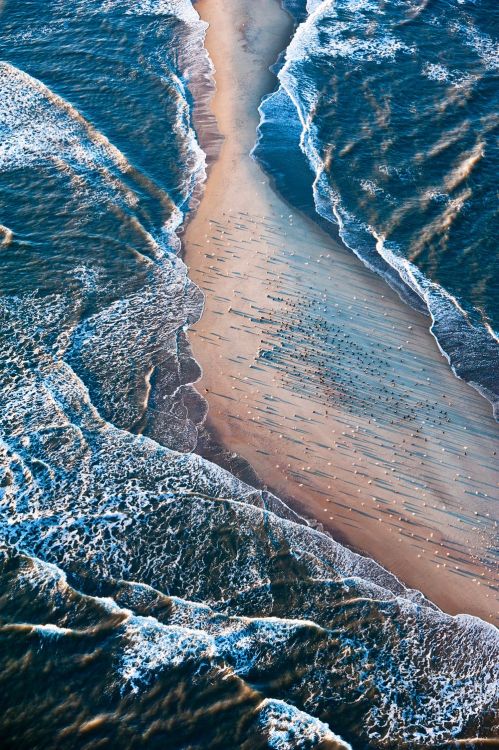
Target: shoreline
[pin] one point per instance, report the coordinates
(273, 320)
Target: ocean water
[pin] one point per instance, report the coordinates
(98, 163)
(149, 598)
(394, 106)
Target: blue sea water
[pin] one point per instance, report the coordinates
(394, 107)
(149, 598)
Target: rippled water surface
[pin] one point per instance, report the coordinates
(395, 108)
(148, 598)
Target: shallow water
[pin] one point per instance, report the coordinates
(149, 590)
(98, 164)
(394, 106)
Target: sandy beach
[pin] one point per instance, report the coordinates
(318, 374)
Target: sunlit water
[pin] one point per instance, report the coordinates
(389, 113)
(148, 597)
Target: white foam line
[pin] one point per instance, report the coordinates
(408, 273)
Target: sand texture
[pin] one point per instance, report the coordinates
(318, 374)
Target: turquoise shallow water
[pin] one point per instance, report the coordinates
(395, 109)
(148, 598)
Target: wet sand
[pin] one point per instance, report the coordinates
(318, 374)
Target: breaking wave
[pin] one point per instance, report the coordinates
(298, 618)
(397, 132)
(157, 598)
